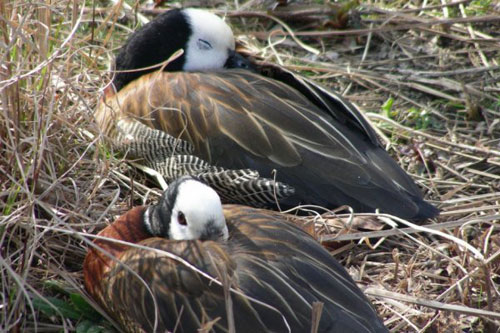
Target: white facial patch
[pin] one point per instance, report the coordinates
(202, 211)
(210, 42)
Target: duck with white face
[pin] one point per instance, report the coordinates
(259, 135)
(207, 42)
(196, 259)
(187, 210)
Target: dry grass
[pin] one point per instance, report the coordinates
(435, 71)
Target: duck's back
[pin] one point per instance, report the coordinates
(236, 119)
(297, 273)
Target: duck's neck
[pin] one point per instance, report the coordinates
(129, 228)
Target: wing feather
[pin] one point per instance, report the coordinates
(237, 119)
(269, 124)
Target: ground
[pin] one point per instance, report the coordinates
(425, 73)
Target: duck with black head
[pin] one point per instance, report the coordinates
(259, 134)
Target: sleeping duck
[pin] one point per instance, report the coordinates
(257, 133)
(224, 268)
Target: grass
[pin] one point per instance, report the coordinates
(426, 78)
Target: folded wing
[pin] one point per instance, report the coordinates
(237, 119)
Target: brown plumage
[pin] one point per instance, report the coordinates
(222, 107)
(275, 270)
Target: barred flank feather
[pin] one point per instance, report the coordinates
(173, 158)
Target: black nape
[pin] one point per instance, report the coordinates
(151, 45)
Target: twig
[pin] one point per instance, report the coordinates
(431, 304)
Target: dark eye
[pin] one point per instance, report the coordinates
(203, 44)
(181, 218)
